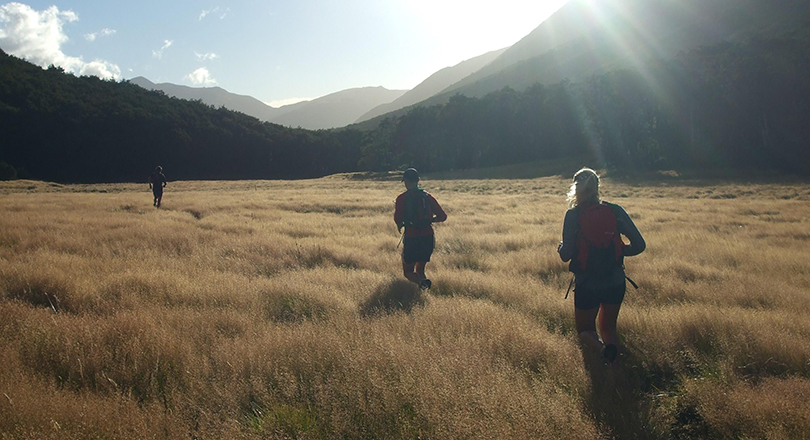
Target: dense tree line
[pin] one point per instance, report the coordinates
(60, 127)
(740, 105)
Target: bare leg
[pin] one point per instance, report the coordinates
(410, 274)
(158, 201)
(586, 328)
(420, 269)
(608, 315)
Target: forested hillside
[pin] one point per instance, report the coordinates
(735, 105)
(586, 37)
(739, 105)
(58, 127)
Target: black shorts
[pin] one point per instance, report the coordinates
(157, 191)
(586, 299)
(417, 249)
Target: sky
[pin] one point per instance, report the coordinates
(279, 52)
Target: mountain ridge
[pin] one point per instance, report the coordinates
(216, 96)
(582, 39)
(330, 111)
(336, 109)
(435, 83)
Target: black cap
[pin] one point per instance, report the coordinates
(411, 175)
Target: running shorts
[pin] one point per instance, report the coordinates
(417, 249)
(587, 298)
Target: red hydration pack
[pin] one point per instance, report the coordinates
(599, 245)
(417, 209)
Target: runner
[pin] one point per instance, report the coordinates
(415, 211)
(157, 181)
(592, 242)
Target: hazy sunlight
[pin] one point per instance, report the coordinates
(464, 28)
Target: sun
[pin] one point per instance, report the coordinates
(469, 28)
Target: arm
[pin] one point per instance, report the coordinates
(438, 213)
(399, 209)
(163, 179)
(567, 248)
(629, 230)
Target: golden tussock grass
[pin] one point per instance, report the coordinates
(278, 310)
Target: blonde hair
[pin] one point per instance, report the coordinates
(585, 189)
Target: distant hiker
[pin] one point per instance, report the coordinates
(415, 211)
(157, 181)
(591, 241)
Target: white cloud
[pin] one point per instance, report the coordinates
(101, 69)
(206, 56)
(104, 33)
(38, 37)
(159, 53)
(222, 15)
(205, 12)
(201, 76)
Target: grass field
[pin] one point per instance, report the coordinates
(278, 310)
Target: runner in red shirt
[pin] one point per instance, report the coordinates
(415, 211)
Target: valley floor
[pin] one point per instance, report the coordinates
(266, 309)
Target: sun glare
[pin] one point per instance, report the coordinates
(463, 29)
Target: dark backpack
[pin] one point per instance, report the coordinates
(599, 245)
(417, 209)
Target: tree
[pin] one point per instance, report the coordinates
(7, 172)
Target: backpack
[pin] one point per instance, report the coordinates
(599, 245)
(417, 210)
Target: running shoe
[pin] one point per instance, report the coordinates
(609, 353)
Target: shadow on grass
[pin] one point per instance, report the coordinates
(40, 290)
(620, 399)
(391, 297)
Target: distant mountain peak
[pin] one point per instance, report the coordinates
(331, 111)
(434, 84)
